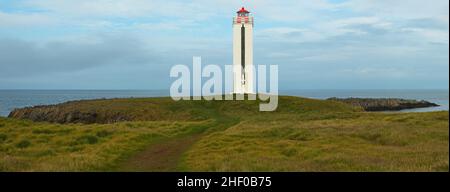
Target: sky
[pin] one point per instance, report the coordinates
(132, 44)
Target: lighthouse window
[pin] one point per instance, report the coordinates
(243, 14)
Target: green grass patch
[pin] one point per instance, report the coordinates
(302, 135)
(78, 147)
(23, 144)
(3, 137)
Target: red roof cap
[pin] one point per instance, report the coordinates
(243, 10)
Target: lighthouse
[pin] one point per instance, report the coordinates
(243, 52)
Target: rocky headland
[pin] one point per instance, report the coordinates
(385, 104)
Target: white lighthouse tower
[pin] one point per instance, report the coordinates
(243, 52)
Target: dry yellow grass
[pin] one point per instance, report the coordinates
(302, 135)
(29, 146)
(368, 142)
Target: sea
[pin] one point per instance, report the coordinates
(11, 99)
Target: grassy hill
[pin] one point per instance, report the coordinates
(158, 134)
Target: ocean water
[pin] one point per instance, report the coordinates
(11, 99)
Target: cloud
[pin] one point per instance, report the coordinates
(125, 8)
(400, 9)
(289, 34)
(402, 40)
(378, 72)
(429, 23)
(24, 19)
(374, 22)
(431, 35)
(24, 58)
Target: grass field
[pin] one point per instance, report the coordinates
(163, 135)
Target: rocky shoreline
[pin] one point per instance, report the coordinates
(110, 111)
(385, 104)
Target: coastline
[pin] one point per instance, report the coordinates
(12, 99)
(385, 104)
(145, 134)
